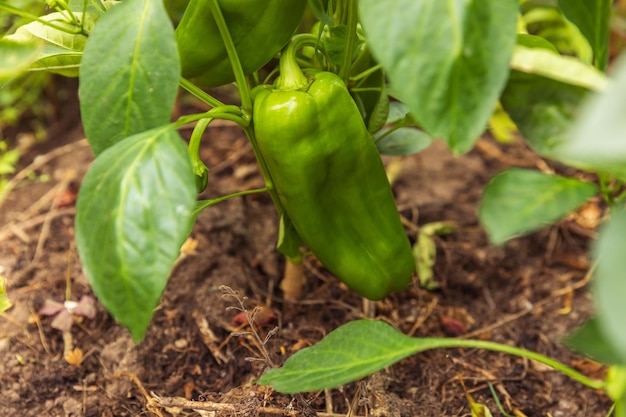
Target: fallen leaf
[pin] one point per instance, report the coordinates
(75, 357)
(452, 327)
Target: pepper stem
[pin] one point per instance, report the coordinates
(351, 21)
(291, 76)
(293, 281)
(231, 50)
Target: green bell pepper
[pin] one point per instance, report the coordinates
(330, 179)
(258, 28)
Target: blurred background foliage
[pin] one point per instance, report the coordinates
(23, 110)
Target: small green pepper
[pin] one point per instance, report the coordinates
(202, 180)
(259, 29)
(330, 179)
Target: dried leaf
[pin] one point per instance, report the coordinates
(75, 357)
(452, 327)
(62, 321)
(86, 307)
(51, 307)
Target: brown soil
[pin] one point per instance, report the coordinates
(529, 293)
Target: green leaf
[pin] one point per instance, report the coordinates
(542, 109)
(534, 41)
(616, 388)
(289, 241)
(334, 361)
(362, 347)
(519, 201)
(593, 19)
(609, 284)
(129, 73)
(16, 57)
(399, 113)
(478, 409)
(547, 21)
(134, 211)
(403, 141)
(62, 51)
(8, 160)
(373, 100)
(502, 127)
(5, 303)
(98, 6)
(319, 10)
(335, 43)
(597, 140)
(590, 341)
(448, 61)
(566, 69)
(425, 252)
(176, 9)
(78, 5)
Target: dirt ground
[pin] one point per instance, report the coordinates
(529, 293)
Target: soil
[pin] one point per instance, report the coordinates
(528, 293)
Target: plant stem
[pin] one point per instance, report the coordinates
(240, 76)
(293, 280)
(229, 112)
(267, 178)
(26, 15)
(608, 414)
(62, 7)
(387, 133)
(291, 76)
(494, 394)
(438, 343)
(208, 203)
(604, 180)
(366, 73)
(364, 89)
(351, 18)
(194, 145)
(199, 93)
(68, 276)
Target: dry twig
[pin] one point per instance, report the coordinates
(251, 319)
(150, 406)
(176, 402)
(39, 161)
(512, 317)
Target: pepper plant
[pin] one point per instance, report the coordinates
(368, 77)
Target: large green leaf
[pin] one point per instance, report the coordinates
(610, 282)
(593, 19)
(134, 211)
(350, 352)
(402, 141)
(61, 51)
(589, 340)
(362, 347)
(546, 20)
(447, 60)
(543, 109)
(566, 69)
(129, 73)
(597, 141)
(519, 201)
